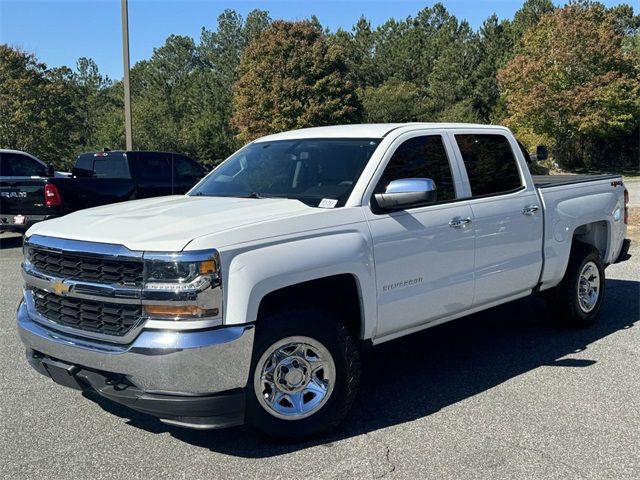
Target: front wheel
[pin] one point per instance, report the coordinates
(304, 377)
(578, 298)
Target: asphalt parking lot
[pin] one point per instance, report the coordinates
(503, 394)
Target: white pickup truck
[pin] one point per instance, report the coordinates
(247, 299)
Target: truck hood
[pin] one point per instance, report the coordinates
(167, 223)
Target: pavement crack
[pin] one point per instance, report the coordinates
(391, 466)
(388, 466)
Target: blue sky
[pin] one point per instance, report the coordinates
(61, 31)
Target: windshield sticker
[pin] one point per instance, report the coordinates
(328, 203)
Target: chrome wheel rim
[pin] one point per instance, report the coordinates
(588, 287)
(294, 378)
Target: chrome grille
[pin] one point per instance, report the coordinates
(87, 268)
(115, 319)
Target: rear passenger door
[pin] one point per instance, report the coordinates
(507, 215)
(423, 254)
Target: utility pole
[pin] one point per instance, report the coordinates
(125, 59)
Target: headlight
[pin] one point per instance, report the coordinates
(182, 285)
(174, 274)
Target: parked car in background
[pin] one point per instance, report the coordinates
(22, 177)
(32, 192)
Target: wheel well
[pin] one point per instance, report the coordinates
(595, 234)
(337, 294)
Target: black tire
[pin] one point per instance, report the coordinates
(330, 333)
(563, 300)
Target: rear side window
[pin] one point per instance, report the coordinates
(111, 166)
(153, 166)
(84, 165)
(17, 165)
(102, 165)
(490, 163)
(184, 167)
(421, 157)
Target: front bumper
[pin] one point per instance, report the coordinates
(191, 378)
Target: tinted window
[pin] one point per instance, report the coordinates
(490, 163)
(184, 167)
(309, 170)
(84, 165)
(111, 166)
(153, 166)
(421, 157)
(16, 165)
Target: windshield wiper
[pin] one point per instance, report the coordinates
(249, 195)
(258, 195)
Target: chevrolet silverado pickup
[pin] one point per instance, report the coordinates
(97, 179)
(247, 300)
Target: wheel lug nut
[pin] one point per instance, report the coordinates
(284, 369)
(295, 364)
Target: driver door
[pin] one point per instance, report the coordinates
(424, 255)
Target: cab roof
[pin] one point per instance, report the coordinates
(368, 130)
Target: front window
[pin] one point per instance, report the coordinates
(313, 171)
(16, 165)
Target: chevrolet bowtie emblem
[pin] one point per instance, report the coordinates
(59, 287)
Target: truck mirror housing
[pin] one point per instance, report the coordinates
(542, 152)
(51, 172)
(407, 192)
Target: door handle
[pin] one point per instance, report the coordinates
(530, 209)
(458, 222)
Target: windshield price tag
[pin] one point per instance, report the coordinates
(328, 203)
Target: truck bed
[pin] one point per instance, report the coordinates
(545, 181)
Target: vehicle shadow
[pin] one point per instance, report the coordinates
(420, 374)
(10, 242)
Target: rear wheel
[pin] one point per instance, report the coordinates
(577, 299)
(304, 377)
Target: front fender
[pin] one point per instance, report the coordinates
(255, 273)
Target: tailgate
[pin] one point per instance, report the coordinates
(22, 197)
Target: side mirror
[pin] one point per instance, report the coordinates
(542, 152)
(51, 172)
(407, 192)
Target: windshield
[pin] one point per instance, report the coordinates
(318, 172)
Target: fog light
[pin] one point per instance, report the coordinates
(179, 311)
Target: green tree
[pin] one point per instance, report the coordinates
(36, 114)
(493, 48)
(292, 76)
(529, 15)
(220, 50)
(92, 102)
(393, 101)
(573, 82)
(359, 46)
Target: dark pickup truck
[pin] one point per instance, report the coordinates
(97, 179)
